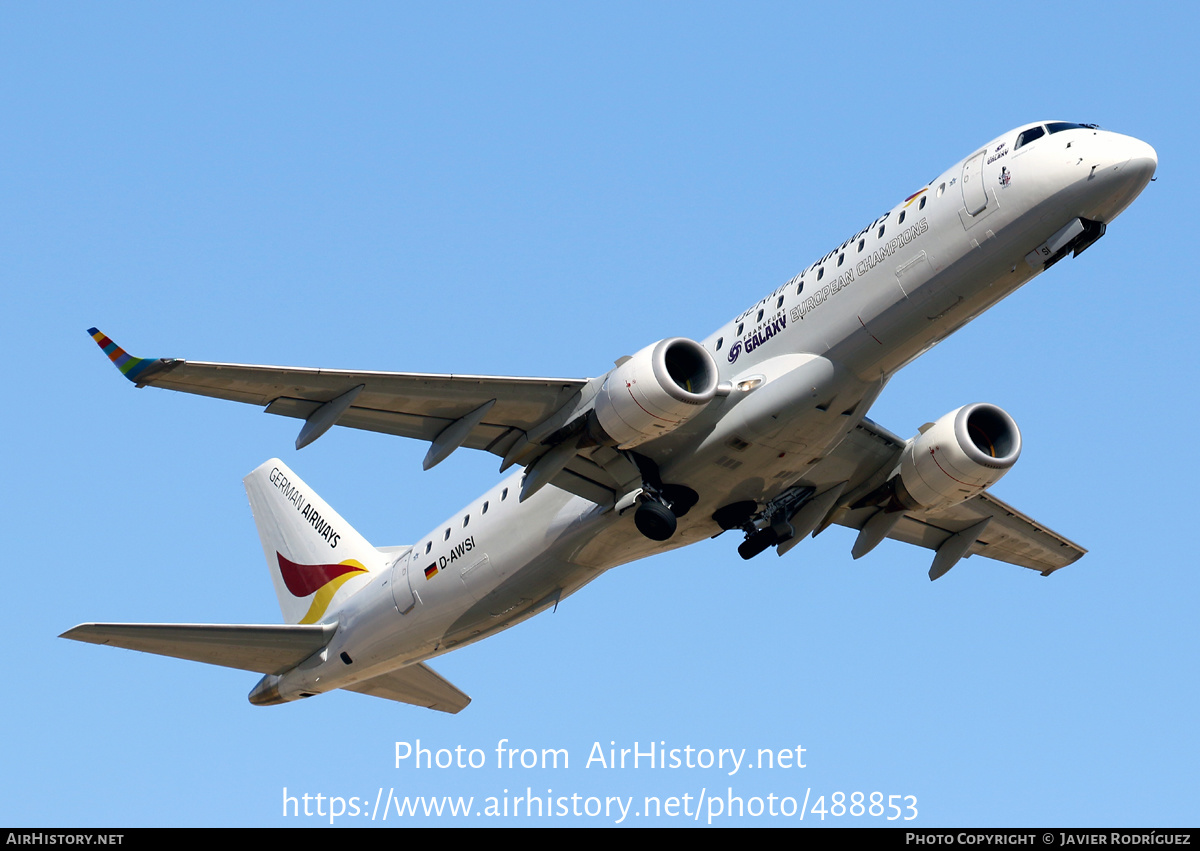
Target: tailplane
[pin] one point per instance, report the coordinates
(264, 648)
(317, 560)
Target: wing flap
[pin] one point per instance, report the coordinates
(1010, 536)
(1018, 539)
(416, 685)
(483, 436)
(263, 648)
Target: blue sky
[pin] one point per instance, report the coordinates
(538, 189)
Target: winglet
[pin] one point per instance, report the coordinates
(130, 366)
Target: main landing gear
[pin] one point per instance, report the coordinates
(660, 505)
(767, 527)
(655, 520)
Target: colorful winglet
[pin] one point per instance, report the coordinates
(130, 366)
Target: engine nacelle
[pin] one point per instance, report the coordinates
(656, 391)
(960, 455)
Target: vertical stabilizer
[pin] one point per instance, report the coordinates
(317, 561)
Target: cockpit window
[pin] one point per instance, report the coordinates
(1028, 136)
(1059, 126)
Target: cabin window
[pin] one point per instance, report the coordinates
(720, 342)
(900, 221)
(941, 189)
(504, 494)
(922, 206)
(841, 257)
(779, 302)
(800, 287)
(485, 507)
(741, 325)
(759, 319)
(880, 234)
(1028, 136)
(861, 243)
(821, 273)
(466, 520)
(428, 546)
(447, 537)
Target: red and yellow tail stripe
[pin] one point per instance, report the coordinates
(323, 580)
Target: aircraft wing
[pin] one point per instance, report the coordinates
(1001, 531)
(492, 413)
(1009, 536)
(263, 648)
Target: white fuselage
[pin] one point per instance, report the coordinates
(804, 364)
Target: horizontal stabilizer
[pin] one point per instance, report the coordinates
(418, 685)
(264, 648)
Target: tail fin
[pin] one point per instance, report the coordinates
(315, 557)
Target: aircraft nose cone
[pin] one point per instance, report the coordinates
(1122, 167)
(1141, 165)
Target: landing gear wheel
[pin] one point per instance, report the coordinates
(655, 521)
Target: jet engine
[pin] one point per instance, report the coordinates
(656, 391)
(963, 453)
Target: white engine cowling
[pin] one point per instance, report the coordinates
(656, 391)
(960, 455)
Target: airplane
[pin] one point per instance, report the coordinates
(759, 429)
